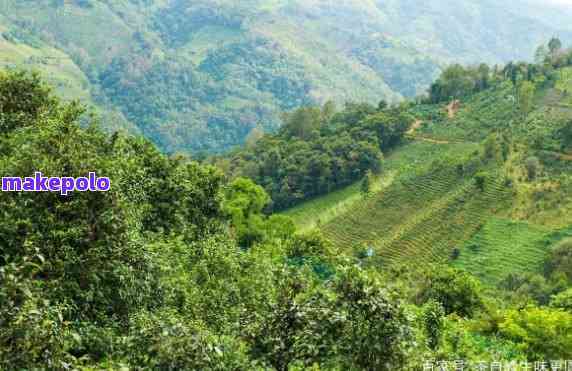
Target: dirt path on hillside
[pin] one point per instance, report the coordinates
(430, 140)
(416, 125)
(453, 108)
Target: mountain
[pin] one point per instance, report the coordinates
(201, 75)
(455, 245)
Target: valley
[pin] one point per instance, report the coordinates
(289, 185)
(199, 77)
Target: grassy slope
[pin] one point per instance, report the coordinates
(424, 213)
(502, 246)
(56, 67)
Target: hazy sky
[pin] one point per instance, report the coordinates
(558, 2)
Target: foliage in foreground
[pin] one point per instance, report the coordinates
(150, 274)
(175, 269)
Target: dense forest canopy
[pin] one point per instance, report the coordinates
(318, 150)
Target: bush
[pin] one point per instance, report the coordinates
(353, 323)
(433, 316)
(532, 165)
(481, 180)
(32, 330)
(457, 291)
(560, 259)
(165, 341)
(563, 300)
(543, 333)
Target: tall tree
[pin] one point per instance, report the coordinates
(365, 187)
(302, 122)
(526, 90)
(540, 55)
(554, 45)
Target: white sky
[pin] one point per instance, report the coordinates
(556, 2)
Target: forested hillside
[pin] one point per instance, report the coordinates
(198, 76)
(176, 268)
(457, 247)
(481, 182)
(318, 150)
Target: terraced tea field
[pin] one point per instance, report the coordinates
(424, 210)
(314, 213)
(478, 116)
(402, 163)
(420, 210)
(423, 218)
(502, 246)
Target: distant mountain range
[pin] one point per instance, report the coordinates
(200, 75)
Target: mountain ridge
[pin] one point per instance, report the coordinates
(201, 76)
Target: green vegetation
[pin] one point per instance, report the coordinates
(318, 150)
(536, 330)
(483, 185)
(199, 77)
(502, 246)
(323, 209)
(171, 268)
(447, 237)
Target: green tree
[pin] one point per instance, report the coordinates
(554, 46)
(560, 259)
(328, 111)
(457, 291)
(244, 202)
(352, 323)
(481, 180)
(532, 165)
(433, 315)
(365, 186)
(167, 340)
(483, 77)
(543, 333)
(84, 260)
(24, 97)
(526, 90)
(302, 122)
(390, 128)
(562, 300)
(455, 82)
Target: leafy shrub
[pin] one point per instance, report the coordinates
(563, 300)
(560, 259)
(543, 333)
(457, 291)
(532, 165)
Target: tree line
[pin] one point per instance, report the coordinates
(457, 81)
(319, 149)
